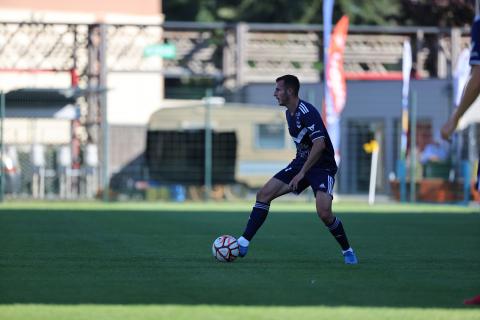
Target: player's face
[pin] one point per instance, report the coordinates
(281, 93)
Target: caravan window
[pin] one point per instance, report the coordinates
(270, 135)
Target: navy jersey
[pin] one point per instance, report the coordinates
(475, 59)
(305, 126)
(475, 50)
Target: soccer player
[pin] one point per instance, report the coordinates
(314, 166)
(470, 94)
(471, 90)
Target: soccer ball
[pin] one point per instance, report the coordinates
(225, 248)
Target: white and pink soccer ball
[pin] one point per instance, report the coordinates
(225, 248)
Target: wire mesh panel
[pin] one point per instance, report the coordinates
(359, 133)
(43, 46)
(42, 171)
(179, 157)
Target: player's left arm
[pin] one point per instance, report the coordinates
(470, 94)
(314, 155)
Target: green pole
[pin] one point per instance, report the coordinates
(208, 146)
(2, 116)
(104, 112)
(413, 146)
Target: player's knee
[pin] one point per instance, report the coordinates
(264, 196)
(326, 216)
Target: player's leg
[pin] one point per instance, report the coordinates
(274, 188)
(472, 301)
(334, 225)
(322, 184)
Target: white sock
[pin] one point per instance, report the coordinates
(348, 250)
(243, 242)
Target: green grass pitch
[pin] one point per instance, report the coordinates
(154, 261)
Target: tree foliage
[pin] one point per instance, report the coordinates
(442, 13)
(360, 12)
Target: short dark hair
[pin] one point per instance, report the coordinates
(290, 82)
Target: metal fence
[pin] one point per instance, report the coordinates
(45, 172)
(93, 151)
(246, 151)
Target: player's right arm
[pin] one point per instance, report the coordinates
(470, 94)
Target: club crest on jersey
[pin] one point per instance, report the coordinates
(297, 117)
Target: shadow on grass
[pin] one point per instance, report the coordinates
(148, 257)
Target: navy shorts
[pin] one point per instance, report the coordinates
(317, 178)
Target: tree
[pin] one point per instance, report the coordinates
(361, 12)
(367, 12)
(442, 13)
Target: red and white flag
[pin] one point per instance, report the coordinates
(336, 82)
(336, 93)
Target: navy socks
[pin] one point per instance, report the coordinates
(257, 218)
(260, 212)
(336, 229)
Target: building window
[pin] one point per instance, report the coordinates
(270, 136)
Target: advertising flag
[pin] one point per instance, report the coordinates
(335, 83)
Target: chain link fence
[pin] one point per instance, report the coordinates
(43, 171)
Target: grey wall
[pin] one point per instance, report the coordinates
(369, 101)
(381, 101)
(127, 143)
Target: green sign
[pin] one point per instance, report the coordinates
(164, 50)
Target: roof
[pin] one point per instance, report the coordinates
(224, 116)
(42, 103)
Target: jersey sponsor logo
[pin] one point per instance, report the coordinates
(312, 127)
(300, 135)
